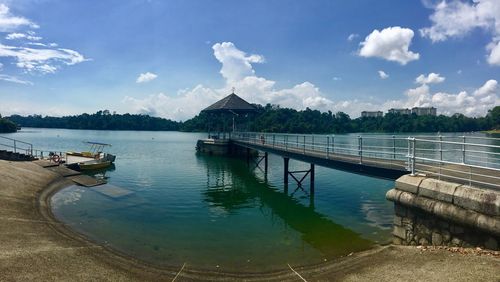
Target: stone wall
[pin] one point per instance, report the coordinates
(434, 212)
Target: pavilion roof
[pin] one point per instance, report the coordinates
(231, 103)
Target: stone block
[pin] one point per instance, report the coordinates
(489, 224)
(423, 242)
(437, 239)
(398, 220)
(480, 200)
(399, 232)
(437, 189)
(409, 183)
(400, 210)
(446, 236)
(397, 241)
(456, 242)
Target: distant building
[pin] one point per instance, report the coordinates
(400, 111)
(372, 114)
(424, 111)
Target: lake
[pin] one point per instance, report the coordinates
(215, 212)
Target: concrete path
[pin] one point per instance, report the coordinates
(35, 247)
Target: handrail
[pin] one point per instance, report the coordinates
(28, 151)
(412, 151)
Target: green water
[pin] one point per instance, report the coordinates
(216, 212)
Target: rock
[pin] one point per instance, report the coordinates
(398, 220)
(399, 232)
(455, 229)
(423, 242)
(446, 236)
(437, 239)
(397, 241)
(456, 242)
(491, 244)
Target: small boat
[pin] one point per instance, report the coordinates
(94, 164)
(95, 151)
(93, 159)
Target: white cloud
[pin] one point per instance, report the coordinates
(489, 88)
(494, 56)
(352, 36)
(337, 78)
(238, 72)
(391, 43)
(456, 19)
(146, 77)
(431, 78)
(42, 60)
(9, 22)
(14, 79)
(382, 74)
(16, 35)
(236, 64)
(477, 104)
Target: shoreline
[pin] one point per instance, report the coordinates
(81, 258)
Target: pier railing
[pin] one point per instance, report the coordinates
(469, 160)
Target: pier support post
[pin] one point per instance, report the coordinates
(266, 162)
(248, 157)
(311, 177)
(285, 172)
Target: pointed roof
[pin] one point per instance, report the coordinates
(231, 103)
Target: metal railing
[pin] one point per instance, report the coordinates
(470, 160)
(16, 145)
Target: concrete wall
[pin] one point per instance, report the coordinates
(434, 212)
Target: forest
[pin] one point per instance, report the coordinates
(7, 126)
(269, 118)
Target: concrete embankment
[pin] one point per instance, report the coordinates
(34, 246)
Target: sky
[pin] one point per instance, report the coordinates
(173, 58)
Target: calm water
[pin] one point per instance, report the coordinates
(216, 212)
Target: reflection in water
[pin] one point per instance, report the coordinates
(232, 188)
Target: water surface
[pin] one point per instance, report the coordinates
(216, 212)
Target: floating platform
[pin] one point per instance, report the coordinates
(213, 146)
(112, 191)
(62, 170)
(87, 181)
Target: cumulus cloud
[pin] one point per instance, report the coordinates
(489, 88)
(382, 74)
(238, 72)
(237, 69)
(146, 77)
(431, 78)
(494, 56)
(9, 22)
(476, 104)
(455, 19)
(391, 44)
(236, 64)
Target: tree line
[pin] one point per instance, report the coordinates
(269, 118)
(7, 126)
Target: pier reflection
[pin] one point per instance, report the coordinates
(232, 186)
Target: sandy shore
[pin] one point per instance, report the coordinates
(35, 246)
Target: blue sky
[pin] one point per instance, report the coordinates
(173, 58)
